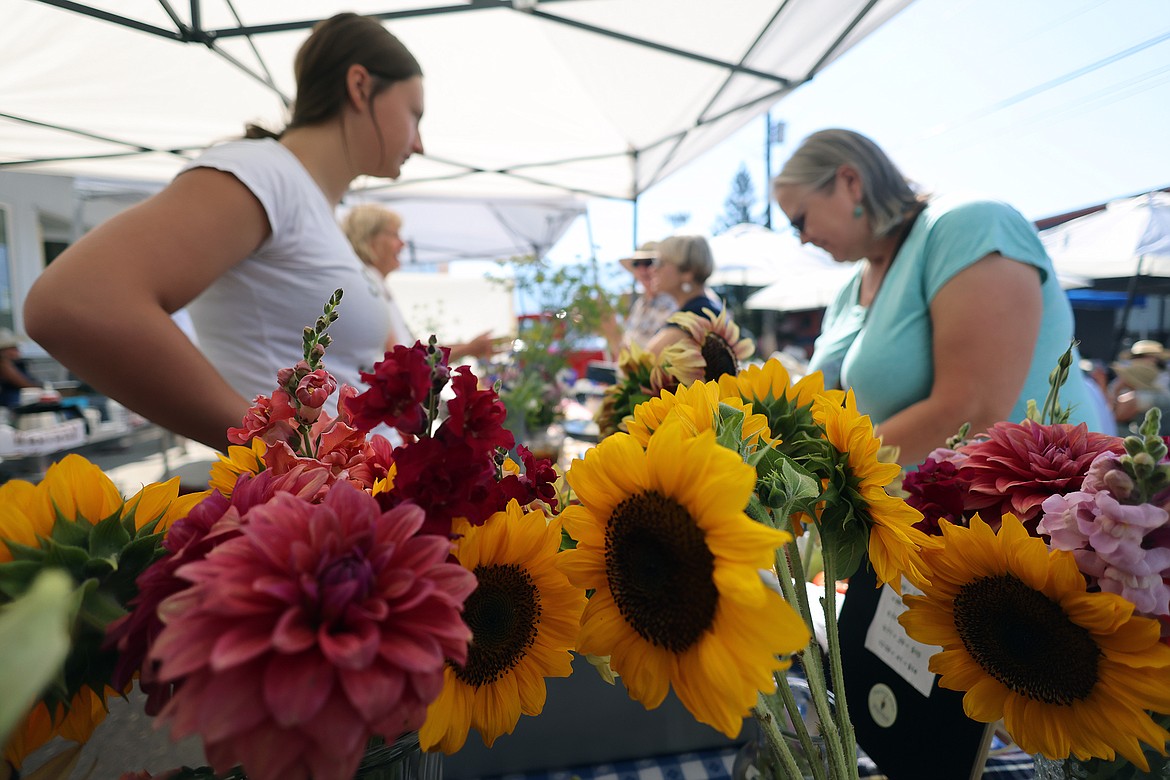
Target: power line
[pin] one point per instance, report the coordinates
(1044, 87)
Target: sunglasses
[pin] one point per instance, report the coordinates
(642, 262)
(798, 223)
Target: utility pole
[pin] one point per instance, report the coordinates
(773, 134)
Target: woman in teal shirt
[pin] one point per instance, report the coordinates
(954, 315)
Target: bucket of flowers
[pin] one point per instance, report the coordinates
(1050, 593)
(333, 605)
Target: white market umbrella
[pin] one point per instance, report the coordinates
(801, 291)
(1128, 238)
(755, 256)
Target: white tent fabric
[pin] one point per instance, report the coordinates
(1130, 237)
(797, 276)
(755, 256)
(445, 229)
(524, 97)
(436, 230)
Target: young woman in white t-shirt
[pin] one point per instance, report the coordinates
(247, 236)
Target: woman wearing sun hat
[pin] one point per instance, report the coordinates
(1140, 386)
(649, 311)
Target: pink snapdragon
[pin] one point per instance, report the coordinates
(1111, 545)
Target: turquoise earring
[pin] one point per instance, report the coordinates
(857, 212)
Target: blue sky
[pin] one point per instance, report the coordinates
(1049, 105)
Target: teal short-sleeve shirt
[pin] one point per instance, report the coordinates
(884, 351)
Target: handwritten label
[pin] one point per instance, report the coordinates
(888, 641)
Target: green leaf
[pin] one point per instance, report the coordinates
(22, 552)
(34, 641)
(108, 538)
(71, 532)
(65, 556)
(844, 539)
(729, 427)
(801, 483)
(17, 576)
(99, 609)
(98, 568)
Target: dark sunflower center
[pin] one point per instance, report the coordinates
(660, 571)
(1026, 641)
(503, 614)
(719, 357)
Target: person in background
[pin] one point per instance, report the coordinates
(954, 314)
(650, 309)
(684, 263)
(13, 370)
(1141, 385)
(374, 233)
(1096, 377)
(246, 237)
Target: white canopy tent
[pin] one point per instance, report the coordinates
(524, 97)
(752, 255)
(1128, 238)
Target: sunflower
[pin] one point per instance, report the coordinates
(239, 460)
(772, 381)
(894, 544)
(641, 377)
(697, 405)
(85, 713)
(523, 616)
(1070, 672)
(161, 501)
(786, 405)
(663, 541)
(713, 349)
(73, 487)
(73, 496)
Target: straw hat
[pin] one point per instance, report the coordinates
(647, 251)
(1146, 348)
(1139, 376)
(8, 339)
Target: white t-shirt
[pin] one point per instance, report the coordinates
(250, 320)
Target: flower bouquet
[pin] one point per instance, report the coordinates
(331, 593)
(693, 531)
(1049, 594)
(710, 349)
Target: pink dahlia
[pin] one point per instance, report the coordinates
(316, 627)
(1021, 464)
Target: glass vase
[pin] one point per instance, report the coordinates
(402, 759)
(1096, 769)
(752, 762)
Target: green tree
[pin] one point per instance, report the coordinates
(740, 204)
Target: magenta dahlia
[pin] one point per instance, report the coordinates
(316, 627)
(1021, 464)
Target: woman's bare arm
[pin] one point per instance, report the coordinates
(986, 320)
(103, 307)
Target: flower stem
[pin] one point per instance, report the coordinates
(777, 746)
(816, 761)
(837, 674)
(813, 666)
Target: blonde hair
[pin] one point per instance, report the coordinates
(689, 253)
(364, 222)
(886, 195)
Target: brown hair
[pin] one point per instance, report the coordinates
(324, 59)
